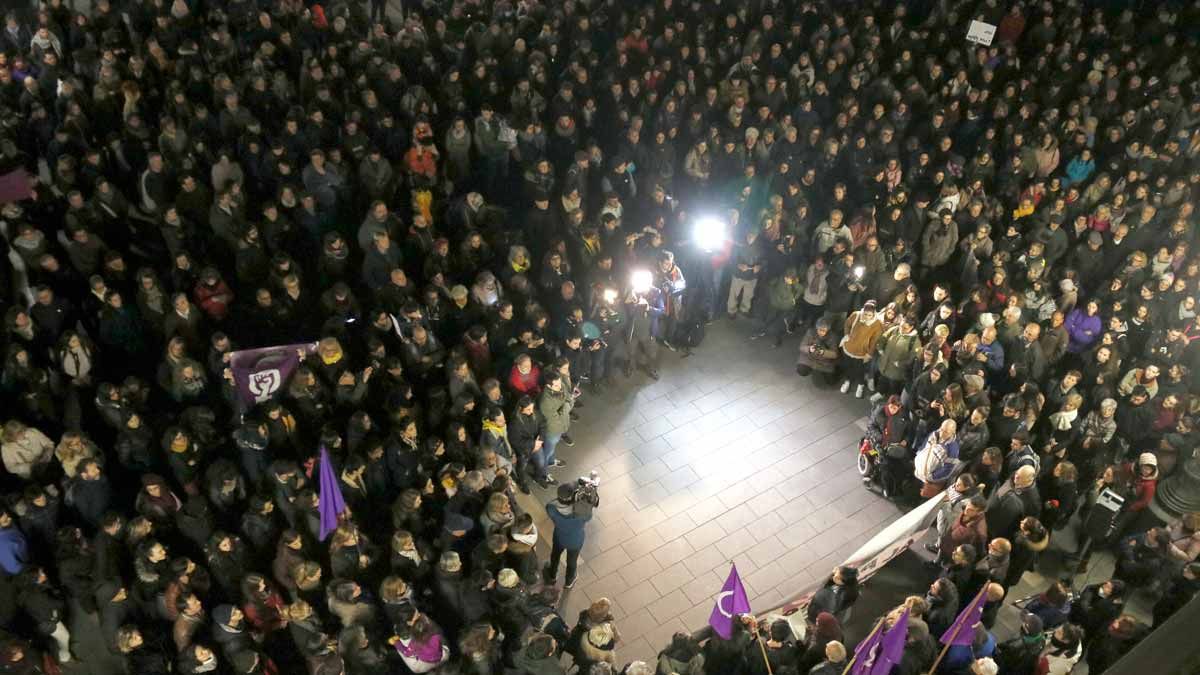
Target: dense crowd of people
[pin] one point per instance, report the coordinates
(483, 210)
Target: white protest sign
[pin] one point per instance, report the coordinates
(981, 33)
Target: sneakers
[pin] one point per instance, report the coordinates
(845, 387)
(569, 442)
(558, 463)
(549, 481)
(871, 384)
(858, 391)
(569, 583)
(758, 335)
(668, 345)
(787, 325)
(876, 397)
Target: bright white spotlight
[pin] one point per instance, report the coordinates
(860, 271)
(610, 295)
(641, 281)
(709, 233)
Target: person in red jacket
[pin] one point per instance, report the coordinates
(525, 377)
(1145, 482)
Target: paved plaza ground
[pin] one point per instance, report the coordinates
(730, 456)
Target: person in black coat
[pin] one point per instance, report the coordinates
(1010, 503)
(1097, 606)
(943, 606)
(1114, 641)
(90, 493)
(837, 596)
(919, 651)
(1032, 538)
(229, 630)
(779, 646)
(114, 609)
(1179, 591)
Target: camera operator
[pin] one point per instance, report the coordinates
(569, 533)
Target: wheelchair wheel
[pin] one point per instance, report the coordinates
(865, 466)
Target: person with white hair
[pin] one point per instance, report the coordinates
(936, 459)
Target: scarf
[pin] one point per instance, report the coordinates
(1062, 420)
(500, 432)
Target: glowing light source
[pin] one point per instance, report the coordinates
(709, 233)
(641, 281)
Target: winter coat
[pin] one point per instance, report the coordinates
(527, 662)
(817, 352)
(783, 295)
(569, 528)
(1083, 329)
(963, 531)
(897, 351)
(14, 551)
(555, 407)
(861, 336)
(27, 452)
(938, 243)
(935, 461)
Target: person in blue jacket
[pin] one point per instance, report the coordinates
(14, 550)
(569, 534)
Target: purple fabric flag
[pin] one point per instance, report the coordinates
(330, 504)
(261, 373)
(891, 647)
(15, 186)
(731, 601)
(962, 631)
(866, 651)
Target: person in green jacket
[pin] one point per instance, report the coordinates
(781, 304)
(898, 347)
(555, 405)
(539, 657)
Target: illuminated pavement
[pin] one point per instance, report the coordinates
(730, 456)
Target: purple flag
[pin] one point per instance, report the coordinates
(891, 646)
(330, 503)
(731, 601)
(866, 651)
(962, 631)
(261, 373)
(15, 186)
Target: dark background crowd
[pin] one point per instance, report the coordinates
(480, 211)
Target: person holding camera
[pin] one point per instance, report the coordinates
(569, 533)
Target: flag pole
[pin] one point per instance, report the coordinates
(854, 657)
(762, 648)
(954, 633)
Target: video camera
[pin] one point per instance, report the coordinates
(587, 494)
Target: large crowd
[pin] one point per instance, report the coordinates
(481, 211)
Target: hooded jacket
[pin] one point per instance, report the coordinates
(569, 530)
(861, 335)
(897, 351)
